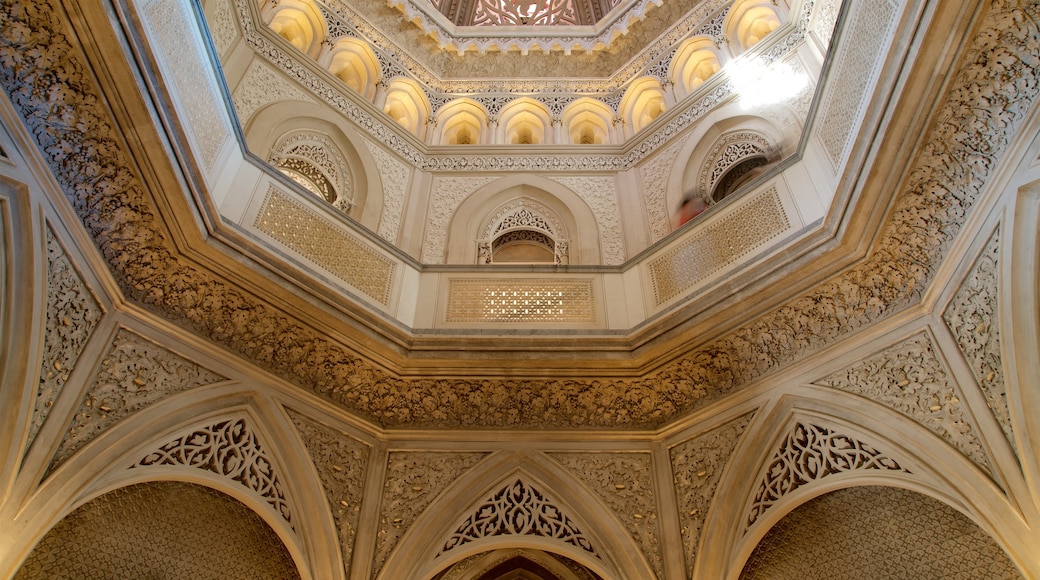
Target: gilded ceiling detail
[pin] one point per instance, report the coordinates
(45, 78)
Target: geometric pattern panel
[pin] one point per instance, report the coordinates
(810, 453)
(342, 463)
(518, 509)
(910, 378)
(72, 314)
(229, 449)
(624, 481)
(877, 532)
(973, 317)
(718, 245)
(330, 247)
(160, 529)
(697, 466)
(134, 374)
(518, 301)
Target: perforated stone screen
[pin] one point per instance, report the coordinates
(876, 532)
(158, 530)
(483, 301)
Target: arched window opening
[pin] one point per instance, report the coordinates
(524, 247)
(738, 175)
(313, 161)
(523, 232)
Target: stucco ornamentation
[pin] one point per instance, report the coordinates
(623, 482)
(654, 175)
(600, 192)
(72, 314)
(394, 176)
(413, 480)
(228, 448)
(973, 317)
(133, 374)
(342, 464)
(697, 466)
(810, 453)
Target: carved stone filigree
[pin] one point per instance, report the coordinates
(262, 85)
(654, 176)
(727, 151)
(601, 194)
(413, 480)
(518, 509)
(342, 464)
(697, 466)
(230, 449)
(993, 89)
(133, 374)
(222, 26)
(623, 481)
(72, 314)
(394, 177)
(910, 378)
(810, 453)
(445, 197)
(317, 159)
(973, 317)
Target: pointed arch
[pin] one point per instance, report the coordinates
(524, 121)
(694, 63)
(749, 21)
(353, 62)
(642, 103)
(406, 103)
(299, 22)
(461, 122)
(587, 121)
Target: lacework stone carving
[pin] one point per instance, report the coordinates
(856, 68)
(160, 529)
(974, 318)
(521, 301)
(133, 374)
(991, 93)
(222, 27)
(172, 24)
(394, 176)
(413, 480)
(623, 481)
(718, 245)
(342, 464)
(304, 231)
(518, 509)
(445, 197)
(524, 214)
(697, 466)
(72, 314)
(824, 18)
(261, 86)
(602, 196)
(654, 176)
(728, 151)
(230, 449)
(319, 160)
(877, 532)
(810, 453)
(909, 378)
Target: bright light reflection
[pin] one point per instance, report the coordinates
(759, 84)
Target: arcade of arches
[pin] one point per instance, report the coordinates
(514, 290)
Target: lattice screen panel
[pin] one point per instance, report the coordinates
(551, 301)
(877, 532)
(157, 530)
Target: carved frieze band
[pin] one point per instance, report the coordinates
(697, 466)
(974, 318)
(133, 374)
(810, 453)
(230, 449)
(519, 509)
(72, 314)
(342, 464)
(47, 82)
(413, 480)
(910, 378)
(623, 481)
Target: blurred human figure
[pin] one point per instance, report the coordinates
(692, 206)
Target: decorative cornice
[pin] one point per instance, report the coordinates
(47, 81)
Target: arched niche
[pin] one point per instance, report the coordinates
(354, 63)
(145, 529)
(522, 563)
(299, 22)
(314, 160)
(523, 230)
(473, 214)
(407, 104)
(461, 122)
(642, 103)
(587, 121)
(279, 119)
(498, 488)
(694, 63)
(749, 21)
(524, 121)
